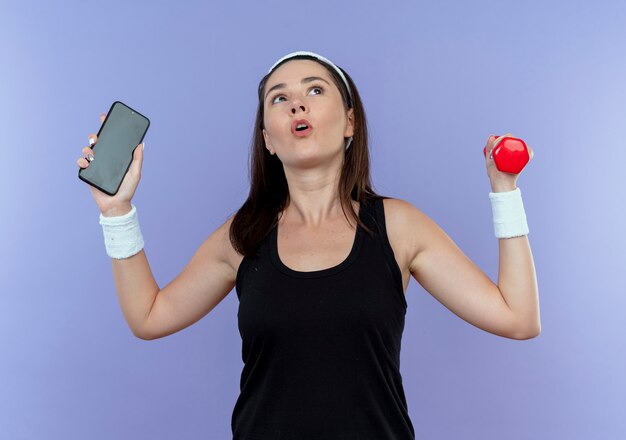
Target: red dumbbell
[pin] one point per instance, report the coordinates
(511, 155)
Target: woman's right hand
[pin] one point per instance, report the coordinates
(119, 204)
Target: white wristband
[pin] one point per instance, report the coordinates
(509, 217)
(122, 235)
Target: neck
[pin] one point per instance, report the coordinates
(313, 197)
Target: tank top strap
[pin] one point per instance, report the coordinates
(378, 216)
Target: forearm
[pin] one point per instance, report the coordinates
(136, 289)
(135, 285)
(517, 279)
(517, 282)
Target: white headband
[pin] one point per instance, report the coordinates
(319, 57)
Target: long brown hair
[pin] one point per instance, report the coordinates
(269, 192)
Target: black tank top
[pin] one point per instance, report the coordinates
(321, 349)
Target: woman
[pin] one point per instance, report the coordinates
(321, 264)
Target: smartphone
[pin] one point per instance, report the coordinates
(123, 129)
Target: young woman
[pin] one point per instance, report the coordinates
(321, 264)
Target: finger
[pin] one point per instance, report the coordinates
(92, 138)
(88, 154)
(102, 117)
(500, 138)
(491, 143)
(82, 162)
(508, 135)
(491, 139)
(137, 158)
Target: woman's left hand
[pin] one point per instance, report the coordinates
(501, 182)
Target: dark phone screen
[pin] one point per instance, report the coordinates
(122, 130)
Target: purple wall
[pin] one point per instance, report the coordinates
(436, 78)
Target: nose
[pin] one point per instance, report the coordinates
(297, 106)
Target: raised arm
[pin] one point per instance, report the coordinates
(152, 312)
(509, 308)
(204, 282)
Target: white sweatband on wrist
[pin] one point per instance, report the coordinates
(122, 235)
(509, 217)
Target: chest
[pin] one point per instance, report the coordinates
(311, 250)
(308, 250)
(353, 288)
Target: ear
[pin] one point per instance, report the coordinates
(350, 127)
(267, 143)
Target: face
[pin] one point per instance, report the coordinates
(300, 97)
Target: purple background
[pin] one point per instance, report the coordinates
(436, 78)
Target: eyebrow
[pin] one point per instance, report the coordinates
(304, 80)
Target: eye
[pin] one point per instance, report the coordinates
(276, 97)
(321, 89)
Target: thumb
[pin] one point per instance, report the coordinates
(138, 157)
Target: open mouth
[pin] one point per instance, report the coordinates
(301, 127)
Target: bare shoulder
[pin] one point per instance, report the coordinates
(228, 255)
(218, 247)
(408, 229)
